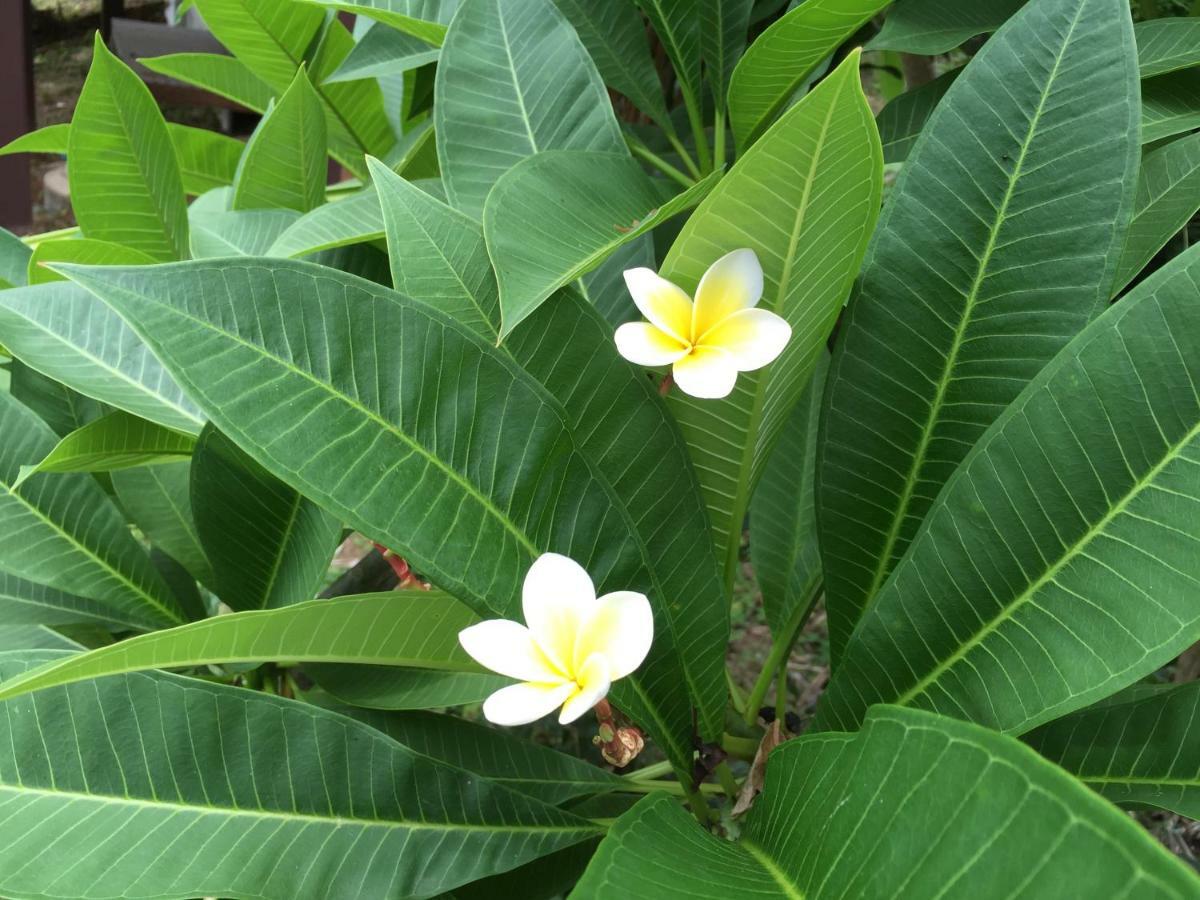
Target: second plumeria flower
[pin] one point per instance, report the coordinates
(709, 341)
(573, 646)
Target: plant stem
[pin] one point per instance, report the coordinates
(34, 239)
(700, 809)
(736, 697)
(741, 747)
(696, 119)
(781, 691)
(719, 138)
(728, 783)
(642, 151)
(671, 787)
(781, 647)
(677, 145)
(651, 771)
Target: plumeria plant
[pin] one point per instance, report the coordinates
(599, 322)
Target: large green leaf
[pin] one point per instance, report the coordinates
(1059, 563)
(268, 545)
(116, 440)
(1170, 105)
(1140, 751)
(901, 121)
(392, 688)
(784, 55)
(125, 182)
(207, 159)
(47, 139)
(804, 198)
(396, 628)
(615, 38)
(1168, 195)
(34, 637)
(930, 27)
(14, 260)
(723, 28)
(268, 36)
(470, 515)
(556, 216)
(677, 25)
(783, 516)
(383, 51)
(242, 232)
(60, 330)
(157, 499)
(59, 406)
(63, 532)
(1165, 45)
(217, 791)
(912, 806)
(86, 251)
(223, 75)
(349, 220)
(424, 19)
(989, 257)
(514, 80)
(27, 603)
(284, 161)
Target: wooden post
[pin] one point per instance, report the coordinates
(16, 111)
(109, 10)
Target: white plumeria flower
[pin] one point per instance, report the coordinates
(575, 646)
(707, 342)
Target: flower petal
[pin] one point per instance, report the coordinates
(621, 630)
(508, 648)
(753, 337)
(646, 345)
(556, 597)
(594, 682)
(733, 283)
(706, 372)
(520, 704)
(667, 306)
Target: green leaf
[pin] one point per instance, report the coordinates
(268, 545)
(60, 407)
(1166, 45)
(615, 38)
(783, 515)
(525, 483)
(268, 36)
(354, 219)
(61, 331)
(63, 532)
(251, 795)
(723, 28)
(804, 198)
(243, 232)
(34, 637)
(424, 19)
(223, 75)
(901, 121)
(27, 603)
(677, 25)
(284, 162)
(390, 688)
(548, 878)
(1168, 195)
(157, 499)
(395, 628)
(116, 440)
(207, 159)
(14, 260)
(556, 216)
(498, 756)
(988, 258)
(1076, 574)
(783, 56)
(1137, 752)
(86, 251)
(514, 80)
(47, 139)
(125, 182)
(1170, 105)
(383, 51)
(930, 27)
(967, 813)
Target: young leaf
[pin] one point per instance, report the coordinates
(424, 19)
(63, 532)
(392, 688)
(930, 27)
(1168, 195)
(268, 36)
(556, 216)
(243, 232)
(677, 25)
(523, 485)
(60, 407)
(207, 159)
(514, 80)
(47, 139)
(14, 260)
(350, 220)
(783, 515)
(284, 161)
(958, 804)
(989, 257)
(1166, 45)
(157, 499)
(116, 440)
(723, 28)
(320, 794)
(61, 331)
(226, 76)
(86, 251)
(1059, 563)
(383, 51)
(1170, 105)
(804, 198)
(268, 545)
(1136, 752)
(901, 121)
(784, 55)
(125, 183)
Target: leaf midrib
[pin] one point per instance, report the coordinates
(883, 565)
(790, 889)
